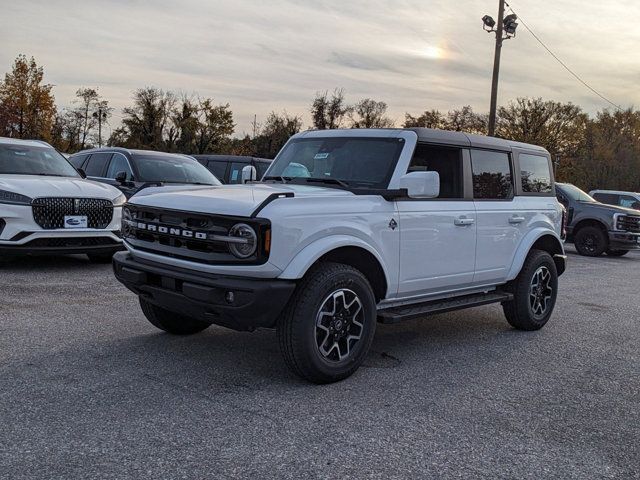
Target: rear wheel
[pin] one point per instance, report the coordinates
(169, 321)
(591, 241)
(328, 326)
(617, 253)
(534, 292)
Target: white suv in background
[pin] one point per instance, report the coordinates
(46, 207)
(348, 227)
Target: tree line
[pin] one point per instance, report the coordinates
(600, 151)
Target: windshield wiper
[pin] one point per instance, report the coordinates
(277, 177)
(329, 181)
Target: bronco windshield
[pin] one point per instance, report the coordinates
(359, 162)
(34, 160)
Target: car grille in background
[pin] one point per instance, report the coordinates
(628, 223)
(61, 242)
(49, 213)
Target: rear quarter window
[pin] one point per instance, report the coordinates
(535, 173)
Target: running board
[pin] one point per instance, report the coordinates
(408, 312)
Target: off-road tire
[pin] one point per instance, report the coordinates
(298, 332)
(617, 253)
(169, 321)
(520, 312)
(100, 257)
(591, 241)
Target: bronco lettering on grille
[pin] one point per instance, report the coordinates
(180, 232)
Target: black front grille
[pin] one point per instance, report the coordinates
(49, 213)
(162, 232)
(628, 223)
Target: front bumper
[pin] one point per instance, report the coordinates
(255, 303)
(624, 240)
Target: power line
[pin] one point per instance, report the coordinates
(562, 63)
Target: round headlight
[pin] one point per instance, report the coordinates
(248, 240)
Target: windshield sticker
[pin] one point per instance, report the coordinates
(321, 156)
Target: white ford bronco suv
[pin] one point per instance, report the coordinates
(346, 228)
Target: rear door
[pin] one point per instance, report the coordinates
(500, 224)
(438, 236)
(120, 163)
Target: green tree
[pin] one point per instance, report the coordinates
(147, 123)
(328, 112)
(428, 119)
(369, 113)
(275, 133)
(559, 127)
(27, 106)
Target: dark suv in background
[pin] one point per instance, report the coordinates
(129, 170)
(596, 228)
(228, 168)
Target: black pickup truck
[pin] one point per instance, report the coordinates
(596, 228)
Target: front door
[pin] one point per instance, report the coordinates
(437, 236)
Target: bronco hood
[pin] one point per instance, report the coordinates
(234, 200)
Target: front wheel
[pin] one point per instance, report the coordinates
(534, 292)
(617, 253)
(169, 321)
(328, 326)
(590, 241)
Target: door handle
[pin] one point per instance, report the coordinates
(462, 221)
(515, 219)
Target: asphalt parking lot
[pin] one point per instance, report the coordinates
(89, 389)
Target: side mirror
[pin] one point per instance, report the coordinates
(121, 177)
(81, 172)
(249, 174)
(421, 184)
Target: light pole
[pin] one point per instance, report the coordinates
(101, 115)
(504, 28)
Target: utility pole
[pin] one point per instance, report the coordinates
(504, 29)
(496, 71)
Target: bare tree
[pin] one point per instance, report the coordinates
(369, 113)
(329, 112)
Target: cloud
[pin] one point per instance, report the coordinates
(264, 56)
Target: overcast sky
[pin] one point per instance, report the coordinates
(274, 55)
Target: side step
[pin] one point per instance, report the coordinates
(408, 312)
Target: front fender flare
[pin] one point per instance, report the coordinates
(525, 246)
(312, 252)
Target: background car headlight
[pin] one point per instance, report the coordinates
(120, 200)
(248, 246)
(14, 198)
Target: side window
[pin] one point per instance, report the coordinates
(219, 169)
(446, 161)
(119, 163)
(628, 201)
(77, 160)
(235, 174)
(535, 173)
(492, 178)
(608, 198)
(97, 164)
